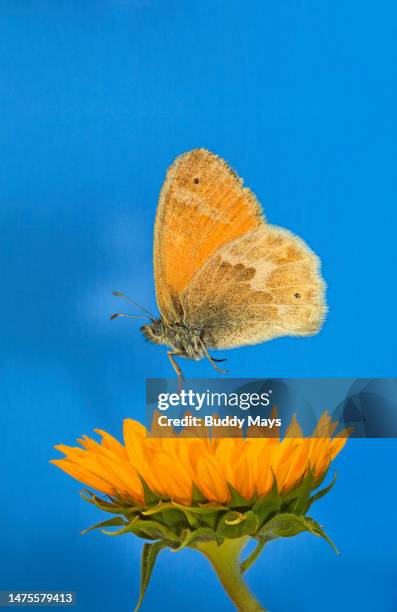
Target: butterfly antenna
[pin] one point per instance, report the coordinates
(127, 316)
(125, 297)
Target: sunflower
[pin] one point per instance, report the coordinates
(211, 494)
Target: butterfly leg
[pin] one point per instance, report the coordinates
(212, 360)
(176, 367)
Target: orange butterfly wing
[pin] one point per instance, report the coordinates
(263, 285)
(203, 206)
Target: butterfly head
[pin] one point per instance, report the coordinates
(154, 332)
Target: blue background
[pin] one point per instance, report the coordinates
(97, 98)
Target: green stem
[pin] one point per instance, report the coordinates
(225, 559)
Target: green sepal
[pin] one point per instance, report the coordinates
(301, 504)
(126, 529)
(148, 495)
(317, 530)
(234, 518)
(237, 500)
(209, 519)
(197, 496)
(195, 516)
(318, 481)
(113, 522)
(162, 506)
(173, 518)
(268, 504)
(126, 500)
(193, 521)
(232, 526)
(322, 492)
(283, 525)
(209, 507)
(187, 516)
(189, 537)
(154, 530)
(149, 556)
(102, 504)
(159, 507)
(287, 525)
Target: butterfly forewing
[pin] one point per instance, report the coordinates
(203, 206)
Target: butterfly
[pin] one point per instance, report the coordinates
(225, 277)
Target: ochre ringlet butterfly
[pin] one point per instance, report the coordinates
(224, 276)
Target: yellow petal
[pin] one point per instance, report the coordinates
(91, 480)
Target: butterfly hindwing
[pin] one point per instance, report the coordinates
(203, 206)
(260, 286)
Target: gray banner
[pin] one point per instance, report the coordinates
(367, 407)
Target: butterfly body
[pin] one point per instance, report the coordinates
(183, 340)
